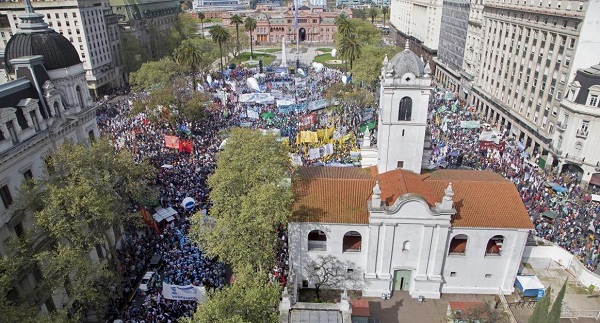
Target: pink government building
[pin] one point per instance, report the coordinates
(314, 23)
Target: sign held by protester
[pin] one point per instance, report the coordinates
(184, 293)
(172, 142)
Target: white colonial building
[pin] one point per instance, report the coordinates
(450, 231)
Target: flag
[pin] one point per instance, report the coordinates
(296, 3)
(183, 128)
(171, 142)
(186, 145)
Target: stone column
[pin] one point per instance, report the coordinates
(438, 249)
(372, 251)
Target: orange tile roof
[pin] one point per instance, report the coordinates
(332, 194)
(483, 199)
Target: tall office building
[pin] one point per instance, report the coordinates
(218, 5)
(530, 52)
(84, 24)
(141, 18)
(453, 35)
(419, 22)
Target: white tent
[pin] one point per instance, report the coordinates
(167, 214)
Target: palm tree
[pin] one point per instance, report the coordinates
(237, 21)
(373, 13)
(201, 16)
(384, 12)
(343, 24)
(250, 26)
(188, 54)
(350, 48)
(219, 35)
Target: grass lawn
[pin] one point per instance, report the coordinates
(268, 50)
(325, 50)
(245, 56)
(323, 58)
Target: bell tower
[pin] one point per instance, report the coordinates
(403, 103)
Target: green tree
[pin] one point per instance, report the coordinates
(384, 12)
(350, 48)
(237, 21)
(249, 299)
(220, 35)
(540, 312)
(555, 310)
(201, 16)
(154, 74)
(359, 13)
(189, 54)
(330, 272)
(344, 27)
(134, 54)
(250, 199)
(250, 26)
(367, 68)
(366, 33)
(373, 13)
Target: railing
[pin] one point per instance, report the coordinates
(315, 245)
(561, 126)
(569, 313)
(576, 159)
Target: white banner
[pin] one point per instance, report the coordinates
(328, 149)
(314, 153)
(184, 293)
(252, 114)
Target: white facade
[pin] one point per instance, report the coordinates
(409, 246)
(575, 142)
(83, 23)
(404, 100)
(418, 18)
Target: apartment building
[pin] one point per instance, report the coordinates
(453, 36)
(530, 52)
(218, 5)
(84, 24)
(574, 145)
(142, 18)
(418, 21)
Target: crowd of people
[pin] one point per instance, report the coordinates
(182, 175)
(575, 226)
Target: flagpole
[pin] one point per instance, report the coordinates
(297, 3)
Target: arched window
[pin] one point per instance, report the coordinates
(317, 240)
(494, 246)
(458, 245)
(352, 242)
(405, 111)
(578, 149)
(406, 246)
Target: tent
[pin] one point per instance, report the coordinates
(167, 214)
(550, 214)
(530, 286)
(559, 188)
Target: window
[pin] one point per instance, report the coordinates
(352, 242)
(494, 246)
(28, 174)
(19, 231)
(405, 110)
(452, 274)
(406, 246)
(488, 275)
(458, 245)
(317, 241)
(593, 100)
(91, 135)
(400, 164)
(7, 199)
(578, 149)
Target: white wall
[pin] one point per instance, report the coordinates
(298, 246)
(588, 45)
(471, 269)
(566, 260)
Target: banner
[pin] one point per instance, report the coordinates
(252, 114)
(470, 124)
(487, 145)
(328, 150)
(318, 104)
(184, 293)
(172, 142)
(314, 153)
(307, 121)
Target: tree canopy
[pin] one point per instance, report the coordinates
(134, 54)
(250, 199)
(154, 74)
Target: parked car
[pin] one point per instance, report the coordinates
(149, 280)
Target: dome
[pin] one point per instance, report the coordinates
(35, 38)
(58, 51)
(406, 62)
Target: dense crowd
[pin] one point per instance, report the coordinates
(575, 227)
